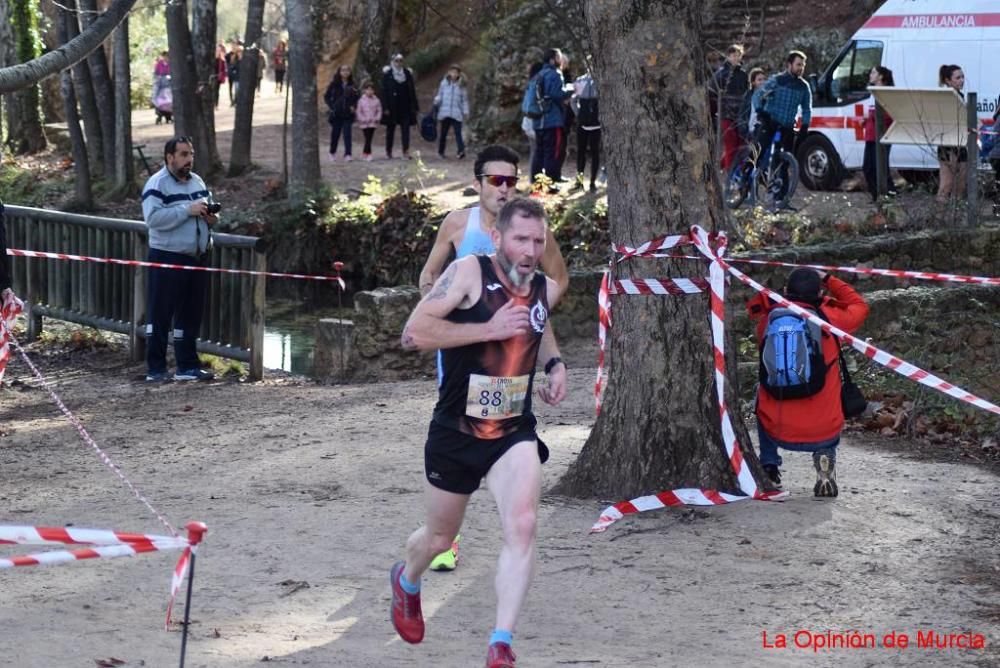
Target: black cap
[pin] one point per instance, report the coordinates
(803, 285)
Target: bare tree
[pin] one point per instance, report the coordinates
(376, 29)
(239, 159)
(188, 92)
(84, 89)
(302, 74)
(8, 57)
(16, 77)
(123, 110)
(100, 76)
(203, 33)
(28, 136)
(659, 426)
(83, 193)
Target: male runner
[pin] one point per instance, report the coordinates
(467, 232)
(489, 314)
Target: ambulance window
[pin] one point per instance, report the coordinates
(849, 82)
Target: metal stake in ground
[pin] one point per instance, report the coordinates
(196, 530)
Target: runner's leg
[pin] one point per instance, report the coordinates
(516, 483)
(445, 511)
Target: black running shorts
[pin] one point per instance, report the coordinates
(457, 462)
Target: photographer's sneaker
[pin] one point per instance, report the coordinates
(771, 471)
(158, 377)
(826, 476)
(500, 656)
(405, 611)
(193, 374)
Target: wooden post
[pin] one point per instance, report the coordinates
(257, 318)
(137, 340)
(972, 147)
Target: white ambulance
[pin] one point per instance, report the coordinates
(913, 38)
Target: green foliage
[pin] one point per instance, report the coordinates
(581, 228)
(30, 187)
(147, 34)
(426, 60)
(25, 19)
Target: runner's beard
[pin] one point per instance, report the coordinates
(510, 269)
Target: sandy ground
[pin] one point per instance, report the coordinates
(309, 492)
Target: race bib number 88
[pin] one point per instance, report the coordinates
(496, 397)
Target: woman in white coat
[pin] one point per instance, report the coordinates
(452, 102)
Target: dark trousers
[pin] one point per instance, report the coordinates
(232, 92)
(871, 171)
(443, 135)
(175, 297)
(340, 127)
(767, 132)
(547, 145)
(369, 134)
(390, 137)
(588, 142)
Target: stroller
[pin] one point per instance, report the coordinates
(163, 100)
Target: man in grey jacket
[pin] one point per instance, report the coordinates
(175, 207)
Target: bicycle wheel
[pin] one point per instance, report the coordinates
(737, 184)
(775, 188)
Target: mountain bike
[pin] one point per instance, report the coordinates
(770, 183)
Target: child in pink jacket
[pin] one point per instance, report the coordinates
(367, 116)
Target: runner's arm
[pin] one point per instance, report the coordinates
(548, 349)
(428, 328)
(438, 255)
(554, 267)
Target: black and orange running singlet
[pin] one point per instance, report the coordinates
(486, 388)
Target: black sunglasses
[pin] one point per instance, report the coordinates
(497, 180)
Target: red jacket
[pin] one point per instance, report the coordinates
(819, 417)
(869, 131)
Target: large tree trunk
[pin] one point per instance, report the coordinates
(239, 159)
(84, 89)
(204, 29)
(124, 172)
(659, 425)
(302, 79)
(84, 193)
(376, 29)
(29, 138)
(188, 116)
(16, 77)
(100, 76)
(8, 57)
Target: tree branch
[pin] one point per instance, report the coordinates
(28, 74)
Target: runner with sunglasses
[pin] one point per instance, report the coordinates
(467, 232)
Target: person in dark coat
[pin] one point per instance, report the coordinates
(4, 262)
(399, 104)
(342, 99)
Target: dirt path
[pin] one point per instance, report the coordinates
(448, 178)
(310, 491)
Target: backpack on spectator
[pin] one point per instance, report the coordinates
(535, 105)
(791, 356)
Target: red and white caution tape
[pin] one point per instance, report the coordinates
(163, 265)
(878, 355)
(9, 310)
(650, 248)
(659, 286)
(894, 273)
(603, 324)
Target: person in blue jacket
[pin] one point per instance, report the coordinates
(549, 128)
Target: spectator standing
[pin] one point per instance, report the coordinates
(342, 99)
(399, 104)
(220, 72)
(811, 423)
(994, 158)
(261, 67)
(879, 76)
(161, 68)
(549, 128)
(527, 125)
(279, 61)
(751, 101)
(233, 70)
(452, 101)
(588, 129)
(783, 97)
(569, 117)
(175, 208)
(730, 83)
(952, 160)
(368, 115)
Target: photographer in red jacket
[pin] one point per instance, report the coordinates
(790, 415)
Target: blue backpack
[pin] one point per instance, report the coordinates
(535, 104)
(791, 356)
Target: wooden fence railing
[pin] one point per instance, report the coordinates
(113, 297)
